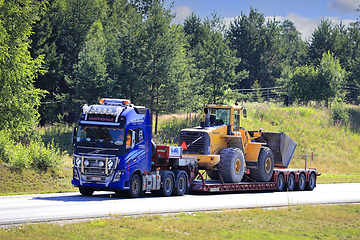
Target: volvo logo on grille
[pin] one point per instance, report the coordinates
(97, 151)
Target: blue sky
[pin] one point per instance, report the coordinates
(305, 14)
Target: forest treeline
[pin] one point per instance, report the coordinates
(60, 54)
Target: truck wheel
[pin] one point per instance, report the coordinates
(265, 166)
(180, 184)
(300, 185)
(312, 182)
(86, 191)
(280, 183)
(135, 187)
(291, 182)
(167, 186)
(231, 165)
(213, 174)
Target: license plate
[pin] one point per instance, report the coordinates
(95, 178)
(214, 189)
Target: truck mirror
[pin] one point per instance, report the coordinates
(244, 113)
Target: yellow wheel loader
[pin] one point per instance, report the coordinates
(228, 152)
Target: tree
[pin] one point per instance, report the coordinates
(19, 98)
(90, 80)
(163, 46)
(322, 40)
(293, 49)
(218, 63)
(126, 44)
(195, 31)
(322, 83)
(331, 73)
(246, 36)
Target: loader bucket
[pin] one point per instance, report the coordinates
(282, 146)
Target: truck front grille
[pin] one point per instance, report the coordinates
(97, 169)
(196, 142)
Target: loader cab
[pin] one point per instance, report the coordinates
(219, 115)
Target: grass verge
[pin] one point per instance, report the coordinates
(299, 222)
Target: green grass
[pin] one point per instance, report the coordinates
(299, 222)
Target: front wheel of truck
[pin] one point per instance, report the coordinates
(135, 187)
(86, 191)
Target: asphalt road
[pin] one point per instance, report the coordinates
(66, 206)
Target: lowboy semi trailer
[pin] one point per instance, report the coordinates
(114, 151)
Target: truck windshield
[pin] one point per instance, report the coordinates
(222, 116)
(103, 135)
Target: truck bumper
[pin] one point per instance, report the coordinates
(114, 186)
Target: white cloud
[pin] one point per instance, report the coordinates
(343, 6)
(181, 13)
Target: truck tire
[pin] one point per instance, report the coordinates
(135, 187)
(180, 183)
(280, 183)
(231, 166)
(86, 191)
(310, 185)
(291, 182)
(167, 185)
(213, 174)
(300, 185)
(265, 166)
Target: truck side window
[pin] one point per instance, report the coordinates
(128, 139)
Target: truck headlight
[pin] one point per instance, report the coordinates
(86, 163)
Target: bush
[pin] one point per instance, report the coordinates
(35, 154)
(339, 113)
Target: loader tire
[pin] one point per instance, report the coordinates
(231, 166)
(213, 174)
(265, 166)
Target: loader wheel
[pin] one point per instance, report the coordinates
(265, 166)
(231, 165)
(213, 174)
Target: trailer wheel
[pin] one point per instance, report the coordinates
(180, 184)
(231, 165)
(291, 182)
(280, 183)
(135, 187)
(213, 174)
(265, 166)
(86, 191)
(312, 182)
(300, 185)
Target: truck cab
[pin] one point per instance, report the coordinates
(112, 143)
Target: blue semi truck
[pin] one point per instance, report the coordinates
(114, 151)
